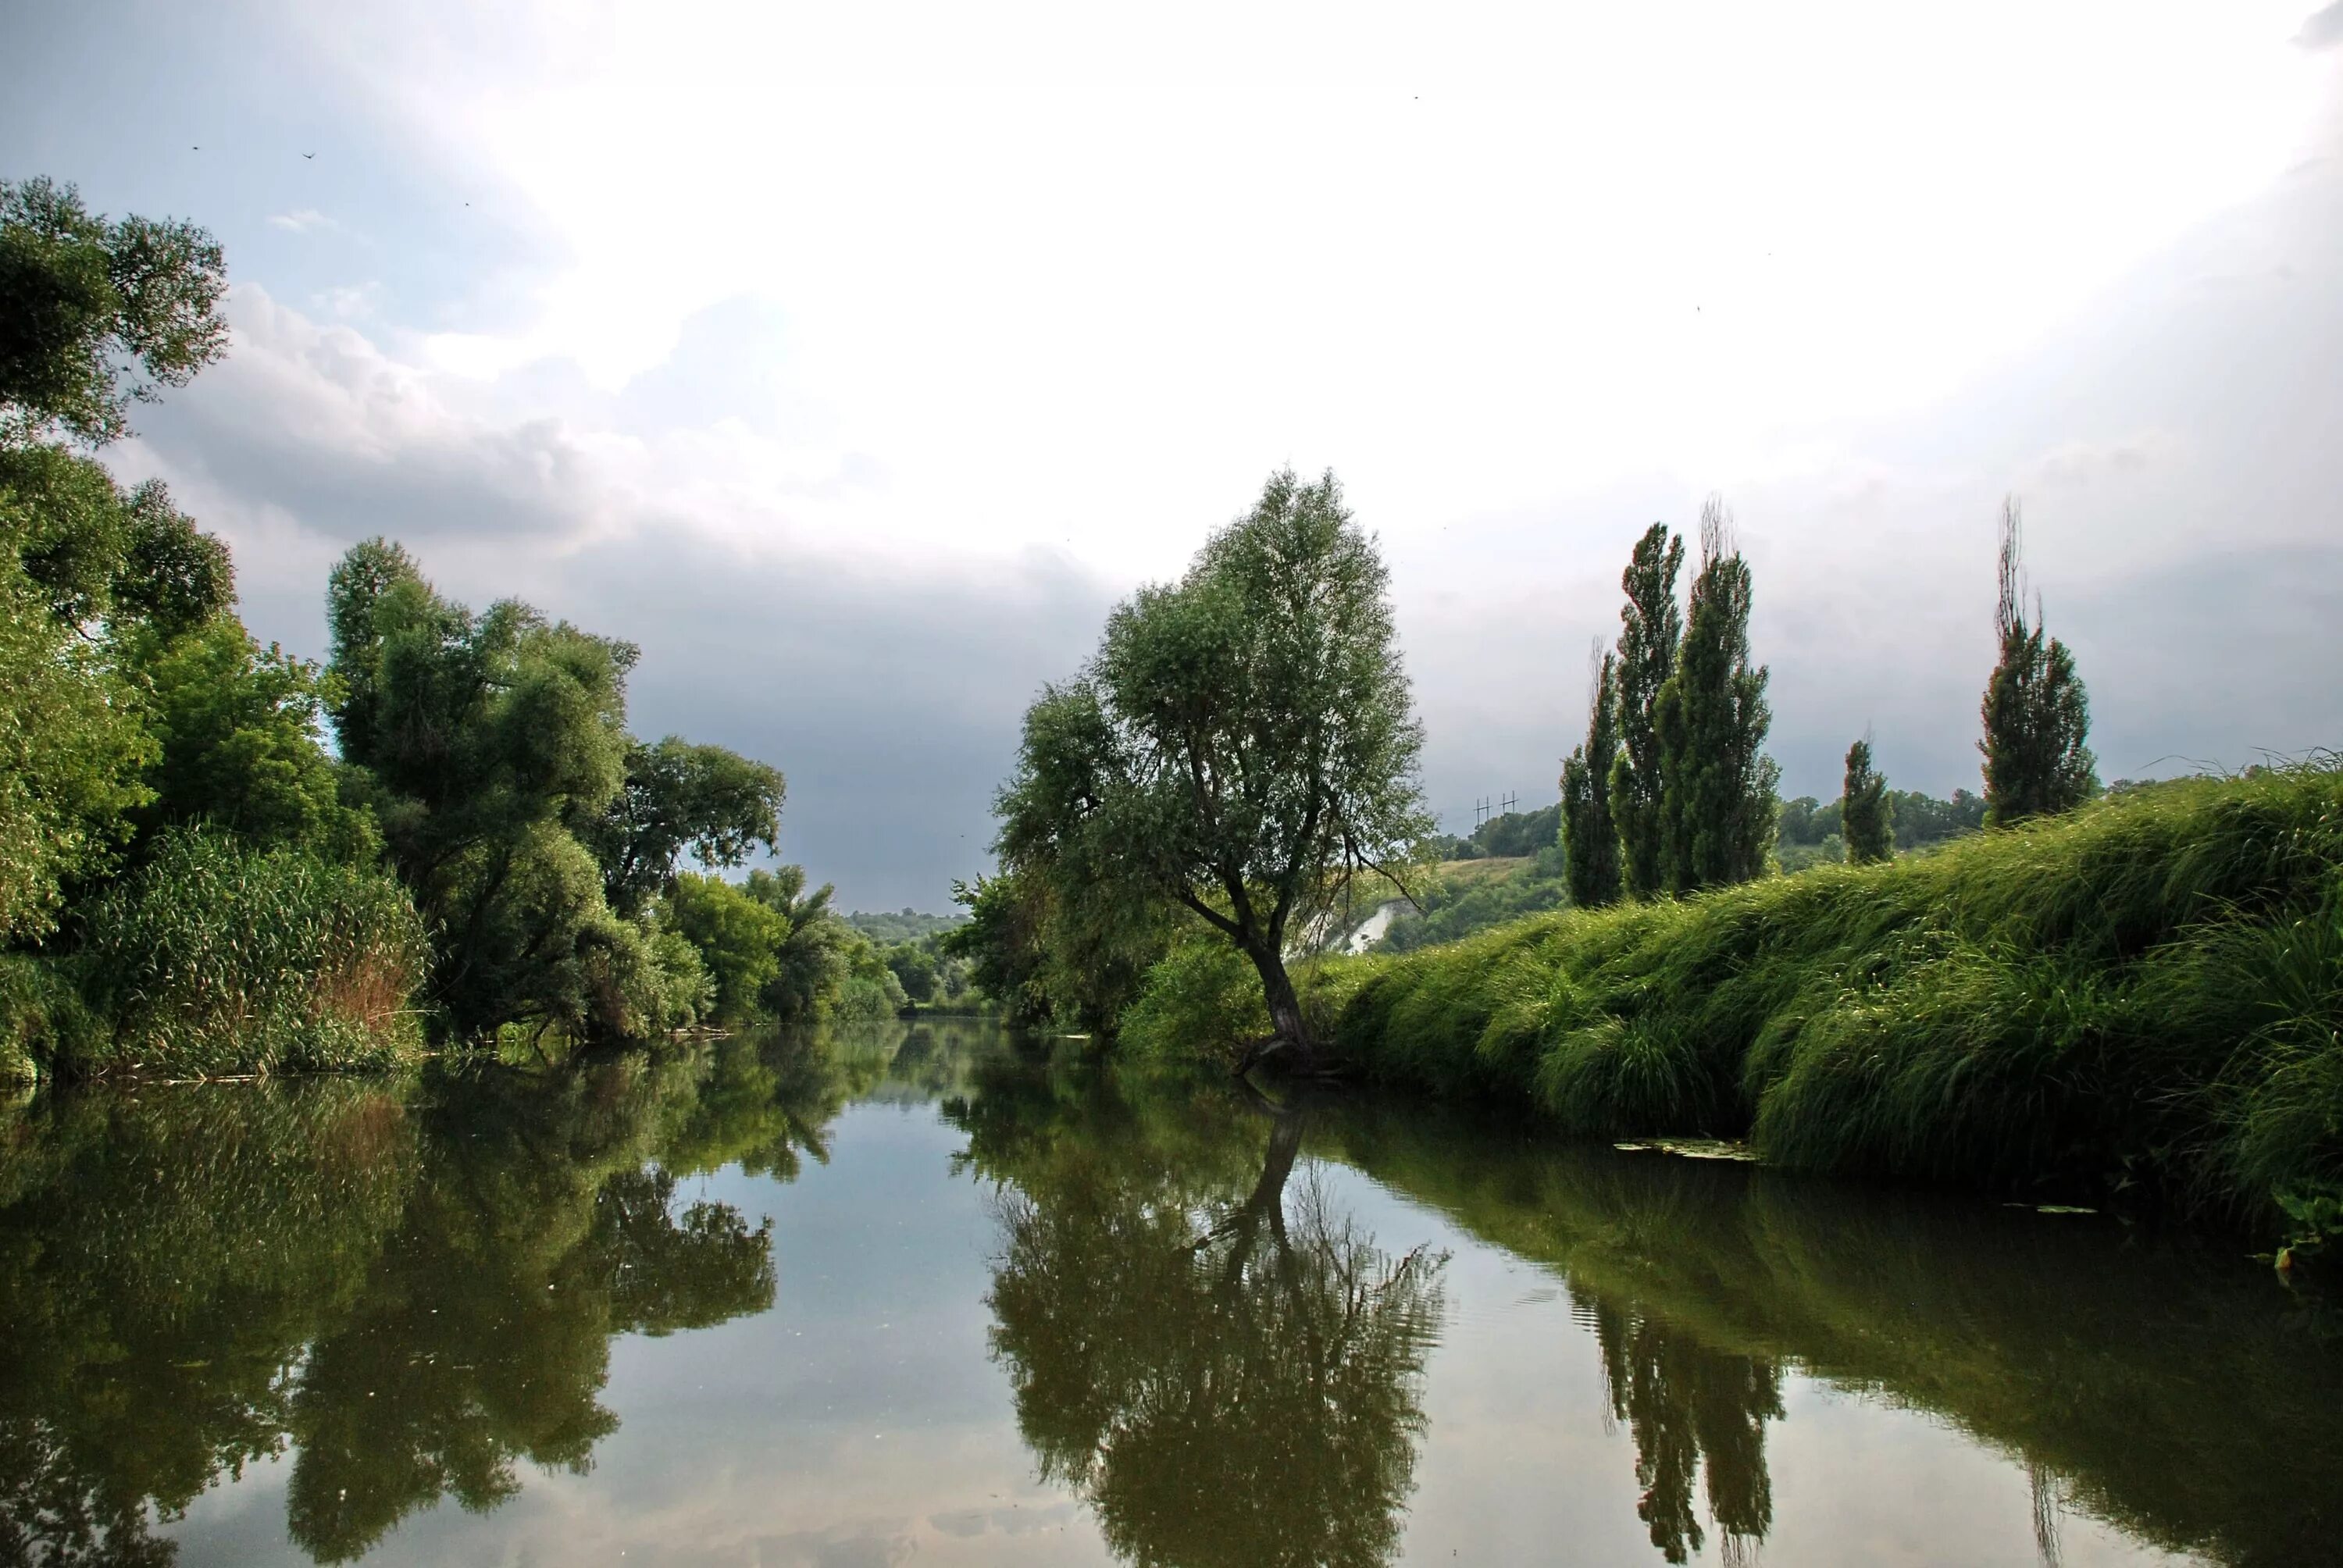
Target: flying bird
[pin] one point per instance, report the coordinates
(309, 155)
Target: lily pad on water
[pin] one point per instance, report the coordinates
(1693, 1148)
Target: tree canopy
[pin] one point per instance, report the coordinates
(1864, 808)
(2037, 718)
(1711, 716)
(1651, 628)
(96, 315)
(1240, 747)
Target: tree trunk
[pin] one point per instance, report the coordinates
(1284, 1011)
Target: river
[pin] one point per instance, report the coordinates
(928, 1295)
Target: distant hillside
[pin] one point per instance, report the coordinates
(902, 926)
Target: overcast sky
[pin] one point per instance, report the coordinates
(854, 359)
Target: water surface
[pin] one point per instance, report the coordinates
(927, 1294)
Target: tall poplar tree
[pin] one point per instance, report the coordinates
(2037, 716)
(1590, 838)
(1866, 815)
(1650, 629)
(1717, 805)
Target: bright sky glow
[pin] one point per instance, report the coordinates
(1016, 303)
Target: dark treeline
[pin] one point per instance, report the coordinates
(189, 877)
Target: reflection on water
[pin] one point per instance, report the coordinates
(1229, 1330)
(1226, 1375)
(1691, 1408)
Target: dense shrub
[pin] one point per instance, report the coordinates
(2146, 995)
(217, 959)
(1203, 998)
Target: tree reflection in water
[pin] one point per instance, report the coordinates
(412, 1289)
(1690, 1408)
(1229, 1376)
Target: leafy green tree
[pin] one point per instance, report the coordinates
(72, 753)
(89, 577)
(915, 970)
(1864, 808)
(104, 557)
(1001, 942)
(489, 740)
(716, 805)
(815, 958)
(236, 727)
(96, 315)
(1651, 628)
(2037, 718)
(740, 940)
(1240, 746)
(1717, 802)
(1922, 819)
(1590, 836)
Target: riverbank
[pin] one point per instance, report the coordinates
(2144, 998)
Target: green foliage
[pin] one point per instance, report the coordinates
(213, 959)
(714, 804)
(1002, 943)
(740, 940)
(89, 579)
(2144, 996)
(915, 969)
(1453, 909)
(905, 925)
(43, 1016)
(1240, 746)
(1652, 628)
(236, 727)
(81, 298)
(491, 739)
(1590, 836)
(1201, 999)
(1865, 810)
(2036, 716)
(1717, 784)
(1512, 834)
(816, 959)
(71, 754)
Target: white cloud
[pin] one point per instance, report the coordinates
(896, 314)
(304, 220)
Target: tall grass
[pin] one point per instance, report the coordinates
(214, 959)
(2145, 995)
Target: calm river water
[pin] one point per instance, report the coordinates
(926, 1295)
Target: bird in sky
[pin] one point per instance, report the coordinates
(309, 155)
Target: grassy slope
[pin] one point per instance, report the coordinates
(2146, 994)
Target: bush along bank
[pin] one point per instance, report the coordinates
(2142, 998)
(218, 958)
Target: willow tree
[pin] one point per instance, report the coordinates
(2037, 716)
(1717, 807)
(1240, 746)
(1650, 629)
(1865, 814)
(1590, 838)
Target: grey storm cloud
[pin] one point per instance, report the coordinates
(2173, 443)
(890, 700)
(889, 693)
(313, 420)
